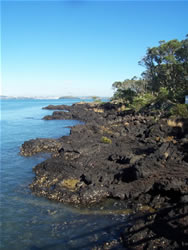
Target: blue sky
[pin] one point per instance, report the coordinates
(54, 48)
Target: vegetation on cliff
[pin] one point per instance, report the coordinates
(164, 80)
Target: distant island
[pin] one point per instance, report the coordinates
(69, 97)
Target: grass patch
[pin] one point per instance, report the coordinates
(98, 110)
(106, 140)
(173, 123)
(70, 183)
(106, 130)
(180, 110)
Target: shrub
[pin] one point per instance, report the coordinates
(179, 96)
(180, 110)
(124, 95)
(163, 94)
(106, 140)
(142, 100)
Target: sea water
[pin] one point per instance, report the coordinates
(30, 222)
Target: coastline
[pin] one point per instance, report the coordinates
(122, 155)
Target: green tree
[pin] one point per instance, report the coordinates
(165, 77)
(167, 67)
(125, 95)
(129, 88)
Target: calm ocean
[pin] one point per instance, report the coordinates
(30, 222)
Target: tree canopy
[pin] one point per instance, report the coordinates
(166, 67)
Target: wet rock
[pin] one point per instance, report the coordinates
(38, 145)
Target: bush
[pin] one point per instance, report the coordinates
(106, 140)
(142, 100)
(163, 94)
(180, 94)
(125, 95)
(180, 110)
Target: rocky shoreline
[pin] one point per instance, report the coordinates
(140, 158)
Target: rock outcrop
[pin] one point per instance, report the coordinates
(122, 155)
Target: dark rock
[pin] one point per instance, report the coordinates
(40, 145)
(58, 107)
(145, 163)
(165, 229)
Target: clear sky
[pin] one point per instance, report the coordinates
(54, 48)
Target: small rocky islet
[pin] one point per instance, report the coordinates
(141, 158)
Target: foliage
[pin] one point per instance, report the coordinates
(106, 140)
(179, 95)
(163, 94)
(167, 66)
(165, 77)
(180, 110)
(135, 84)
(142, 100)
(128, 89)
(126, 95)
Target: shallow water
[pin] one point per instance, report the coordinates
(30, 222)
